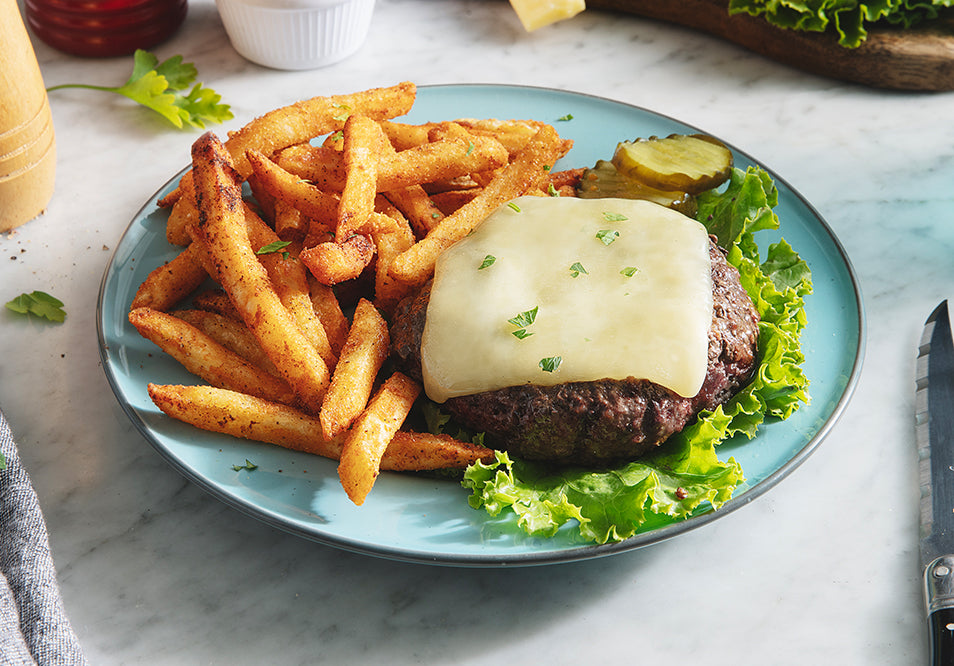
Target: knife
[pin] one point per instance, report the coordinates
(935, 440)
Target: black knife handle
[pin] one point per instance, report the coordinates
(939, 594)
(942, 637)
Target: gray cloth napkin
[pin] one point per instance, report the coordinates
(34, 628)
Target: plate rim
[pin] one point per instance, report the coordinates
(570, 554)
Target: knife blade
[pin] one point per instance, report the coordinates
(935, 440)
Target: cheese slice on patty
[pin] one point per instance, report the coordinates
(549, 290)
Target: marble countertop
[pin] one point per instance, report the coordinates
(822, 569)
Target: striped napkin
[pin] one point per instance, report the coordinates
(34, 628)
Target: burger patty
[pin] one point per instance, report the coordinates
(604, 421)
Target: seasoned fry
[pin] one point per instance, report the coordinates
(182, 215)
(222, 226)
(388, 292)
(334, 262)
(361, 358)
(215, 300)
(328, 309)
(231, 334)
(362, 140)
(528, 169)
(168, 284)
(247, 417)
(204, 357)
(294, 191)
(371, 432)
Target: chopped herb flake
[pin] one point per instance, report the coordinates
(470, 147)
(514, 206)
(522, 333)
(550, 363)
(552, 191)
(276, 246)
(525, 318)
(576, 269)
(614, 217)
(488, 261)
(607, 235)
(629, 271)
(568, 116)
(249, 465)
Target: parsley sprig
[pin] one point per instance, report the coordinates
(161, 86)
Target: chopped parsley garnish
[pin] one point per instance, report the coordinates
(576, 269)
(629, 271)
(249, 465)
(522, 321)
(488, 261)
(275, 246)
(337, 136)
(614, 217)
(470, 147)
(607, 235)
(513, 206)
(3, 462)
(38, 303)
(341, 117)
(568, 116)
(525, 318)
(552, 191)
(550, 363)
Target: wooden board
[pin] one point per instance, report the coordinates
(919, 58)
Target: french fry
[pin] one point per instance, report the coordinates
(170, 283)
(216, 300)
(182, 215)
(204, 357)
(528, 169)
(361, 358)
(294, 191)
(362, 140)
(231, 334)
(328, 309)
(290, 281)
(369, 436)
(222, 227)
(247, 417)
(333, 262)
(388, 292)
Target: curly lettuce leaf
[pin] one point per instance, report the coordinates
(848, 19)
(685, 474)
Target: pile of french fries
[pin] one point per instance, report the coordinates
(348, 212)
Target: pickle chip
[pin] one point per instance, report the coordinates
(604, 180)
(689, 163)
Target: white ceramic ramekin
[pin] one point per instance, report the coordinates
(296, 34)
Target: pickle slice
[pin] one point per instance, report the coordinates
(603, 180)
(685, 162)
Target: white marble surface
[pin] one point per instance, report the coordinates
(821, 570)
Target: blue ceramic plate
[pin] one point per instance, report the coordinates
(421, 520)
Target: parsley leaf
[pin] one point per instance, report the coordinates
(525, 318)
(160, 86)
(274, 246)
(614, 217)
(550, 363)
(38, 303)
(607, 235)
(568, 116)
(576, 269)
(487, 262)
(249, 465)
(629, 271)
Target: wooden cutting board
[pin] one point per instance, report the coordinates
(919, 58)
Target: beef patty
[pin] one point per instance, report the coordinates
(604, 421)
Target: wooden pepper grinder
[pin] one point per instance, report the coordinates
(27, 146)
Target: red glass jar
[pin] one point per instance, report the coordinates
(102, 28)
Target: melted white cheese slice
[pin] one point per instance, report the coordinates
(602, 323)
